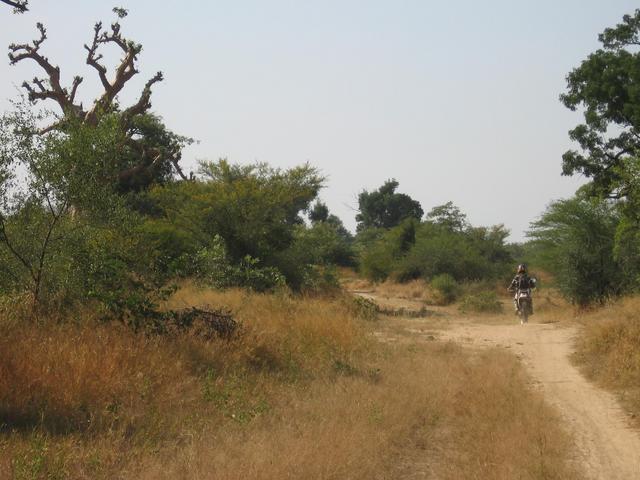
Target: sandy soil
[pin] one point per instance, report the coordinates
(606, 447)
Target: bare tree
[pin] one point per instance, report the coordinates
(50, 88)
(19, 6)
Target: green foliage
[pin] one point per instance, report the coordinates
(574, 240)
(384, 208)
(328, 238)
(448, 216)
(242, 226)
(446, 287)
(606, 86)
(151, 134)
(67, 236)
(424, 250)
(213, 265)
(483, 302)
(382, 250)
(599, 257)
(471, 255)
(319, 213)
(324, 245)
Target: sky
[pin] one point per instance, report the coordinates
(456, 100)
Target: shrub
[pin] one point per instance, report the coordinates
(446, 288)
(424, 250)
(575, 240)
(484, 302)
(213, 266)
(364, 308)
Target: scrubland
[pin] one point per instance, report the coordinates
(302, 391)
(609, 349)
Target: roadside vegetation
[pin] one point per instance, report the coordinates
(608, 350)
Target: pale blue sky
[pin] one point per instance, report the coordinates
(456, 100)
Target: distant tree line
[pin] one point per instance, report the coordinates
(395, 243)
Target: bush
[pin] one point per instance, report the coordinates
(424, 250)
(364, 308)
(380, 257)
(574, 239)
(484, 302)
(446, 288)
(213, 266)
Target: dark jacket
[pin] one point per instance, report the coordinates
(521, 281)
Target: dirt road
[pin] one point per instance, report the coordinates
(606, 447)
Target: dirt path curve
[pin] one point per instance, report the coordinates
(606, 447)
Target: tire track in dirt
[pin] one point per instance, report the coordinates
(606, 447)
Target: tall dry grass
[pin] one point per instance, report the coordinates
(68, 378)
(609, 349)
(435, 408)
(302, 392)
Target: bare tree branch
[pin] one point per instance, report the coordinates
(93, 59)
(74, 88)
(50, 88)
(144, 102)
(18, 6)
(174, 162)
(123, 73)
(54, 90)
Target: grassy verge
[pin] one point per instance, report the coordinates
(609, 350)
(303, 392)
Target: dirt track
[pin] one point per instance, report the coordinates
(606, 447)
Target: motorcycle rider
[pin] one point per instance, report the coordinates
(522, 281)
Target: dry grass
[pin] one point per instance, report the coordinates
(66, 378)
(609, 349)
(434, 408)
(417, 290)
(302, 392)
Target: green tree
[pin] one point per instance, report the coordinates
(382, 252)
(384, 208)
(574, 239)
(607, 87)
(255, 210)
(65, 236)
(319, 212)
(448, 216)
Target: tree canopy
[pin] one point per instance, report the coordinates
(574, 239)
(607, 86)
(448, 216)
(384, 208)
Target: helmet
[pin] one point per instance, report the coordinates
(522, 268)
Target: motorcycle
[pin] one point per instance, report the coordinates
(524, 304)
